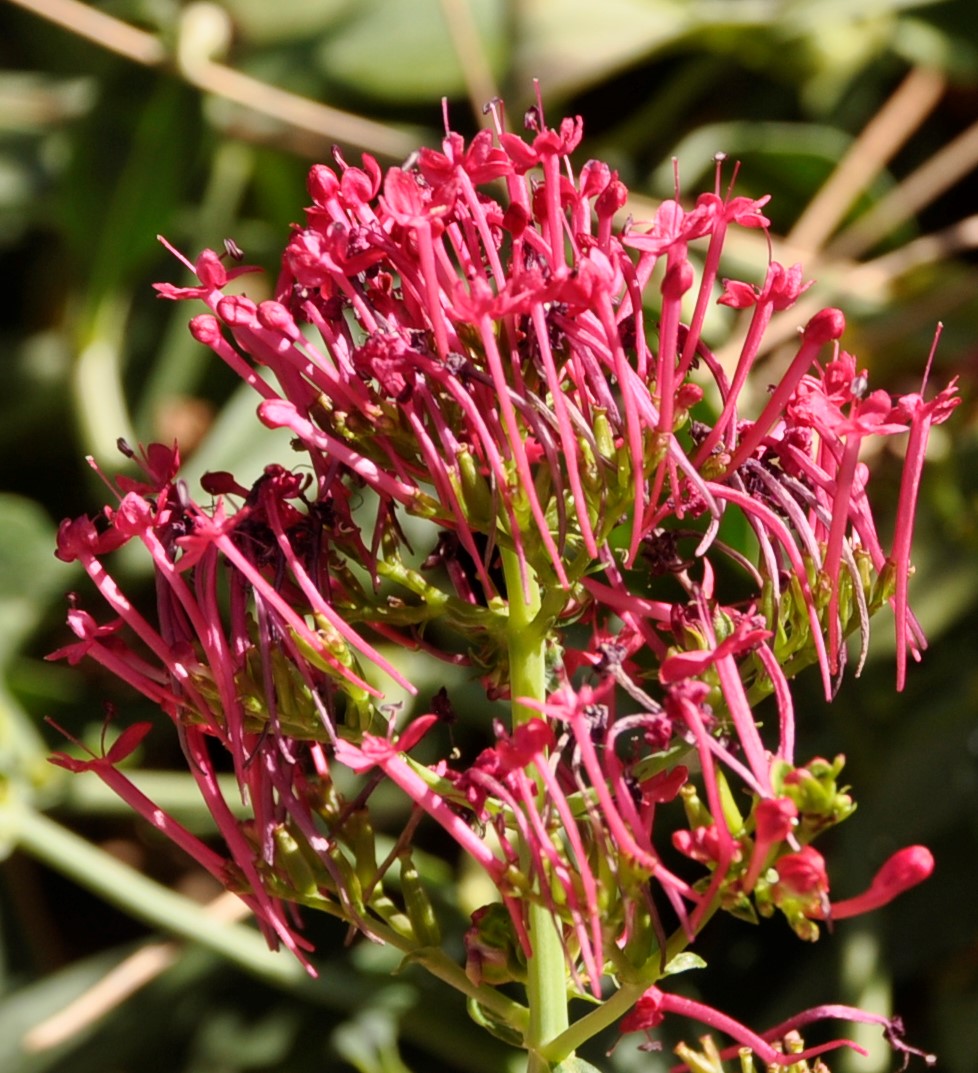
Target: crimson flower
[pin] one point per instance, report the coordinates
(518, 454)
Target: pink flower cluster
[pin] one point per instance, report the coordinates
(528, 388)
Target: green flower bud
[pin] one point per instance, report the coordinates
(417, 904)
(474, 490)
(299, 867)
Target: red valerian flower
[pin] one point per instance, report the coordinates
(506, 466)
(904, 870)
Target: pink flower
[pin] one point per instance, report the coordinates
(505, 467)
(923, 415)
(655, 1005)
(209, 269)
(905, 869)
(775, 820)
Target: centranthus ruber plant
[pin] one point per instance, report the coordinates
(517, 453)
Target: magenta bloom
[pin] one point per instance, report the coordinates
(517, 453)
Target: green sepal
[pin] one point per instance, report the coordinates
(683, 963)
(731, 814)
(290, 858)
(474, 491)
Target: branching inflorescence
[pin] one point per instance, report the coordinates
(518, 455)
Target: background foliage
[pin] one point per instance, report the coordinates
(199, 123)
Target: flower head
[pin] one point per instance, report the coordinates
(507, 464)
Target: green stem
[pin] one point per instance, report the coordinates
(605, 1015)
(546, 985)
(593, 1022)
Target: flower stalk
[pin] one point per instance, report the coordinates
(546, 972)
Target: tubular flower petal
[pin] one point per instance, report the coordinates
(905, 869)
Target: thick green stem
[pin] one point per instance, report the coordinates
(546, 985)
(605, 1015)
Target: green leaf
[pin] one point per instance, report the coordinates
(26, 1008)
(401, 50)
(111, 209)
(262, 23)
(576, 43)
(29, 572)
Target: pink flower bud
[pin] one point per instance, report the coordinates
(322, 184)
(802, 876)
(905, 869)
(825, 326)
(275, 317)
(677, 281)
(210, 270)
(206, 329)
(237, 311)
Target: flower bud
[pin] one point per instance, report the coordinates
(905, 869)
(418, 905)
(826, 326)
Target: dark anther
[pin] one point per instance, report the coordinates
(441, 706)
(698, 431)
(532, 120)
(634, 788)
(457, 365)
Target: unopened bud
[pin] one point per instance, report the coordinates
(826, 326)
(418, 905)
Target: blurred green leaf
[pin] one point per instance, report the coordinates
(575, 1065)
(400, 51)
(26, 1008)
(29, 573)
(262, 23)
(129, 167)
(571, 44)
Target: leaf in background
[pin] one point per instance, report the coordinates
(24, 1009)
(572, 44)
(29, 577)
(130, 165)
(575, 1065)
(32, 109)
(29, 573)
(262, 23)
(400, 51)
